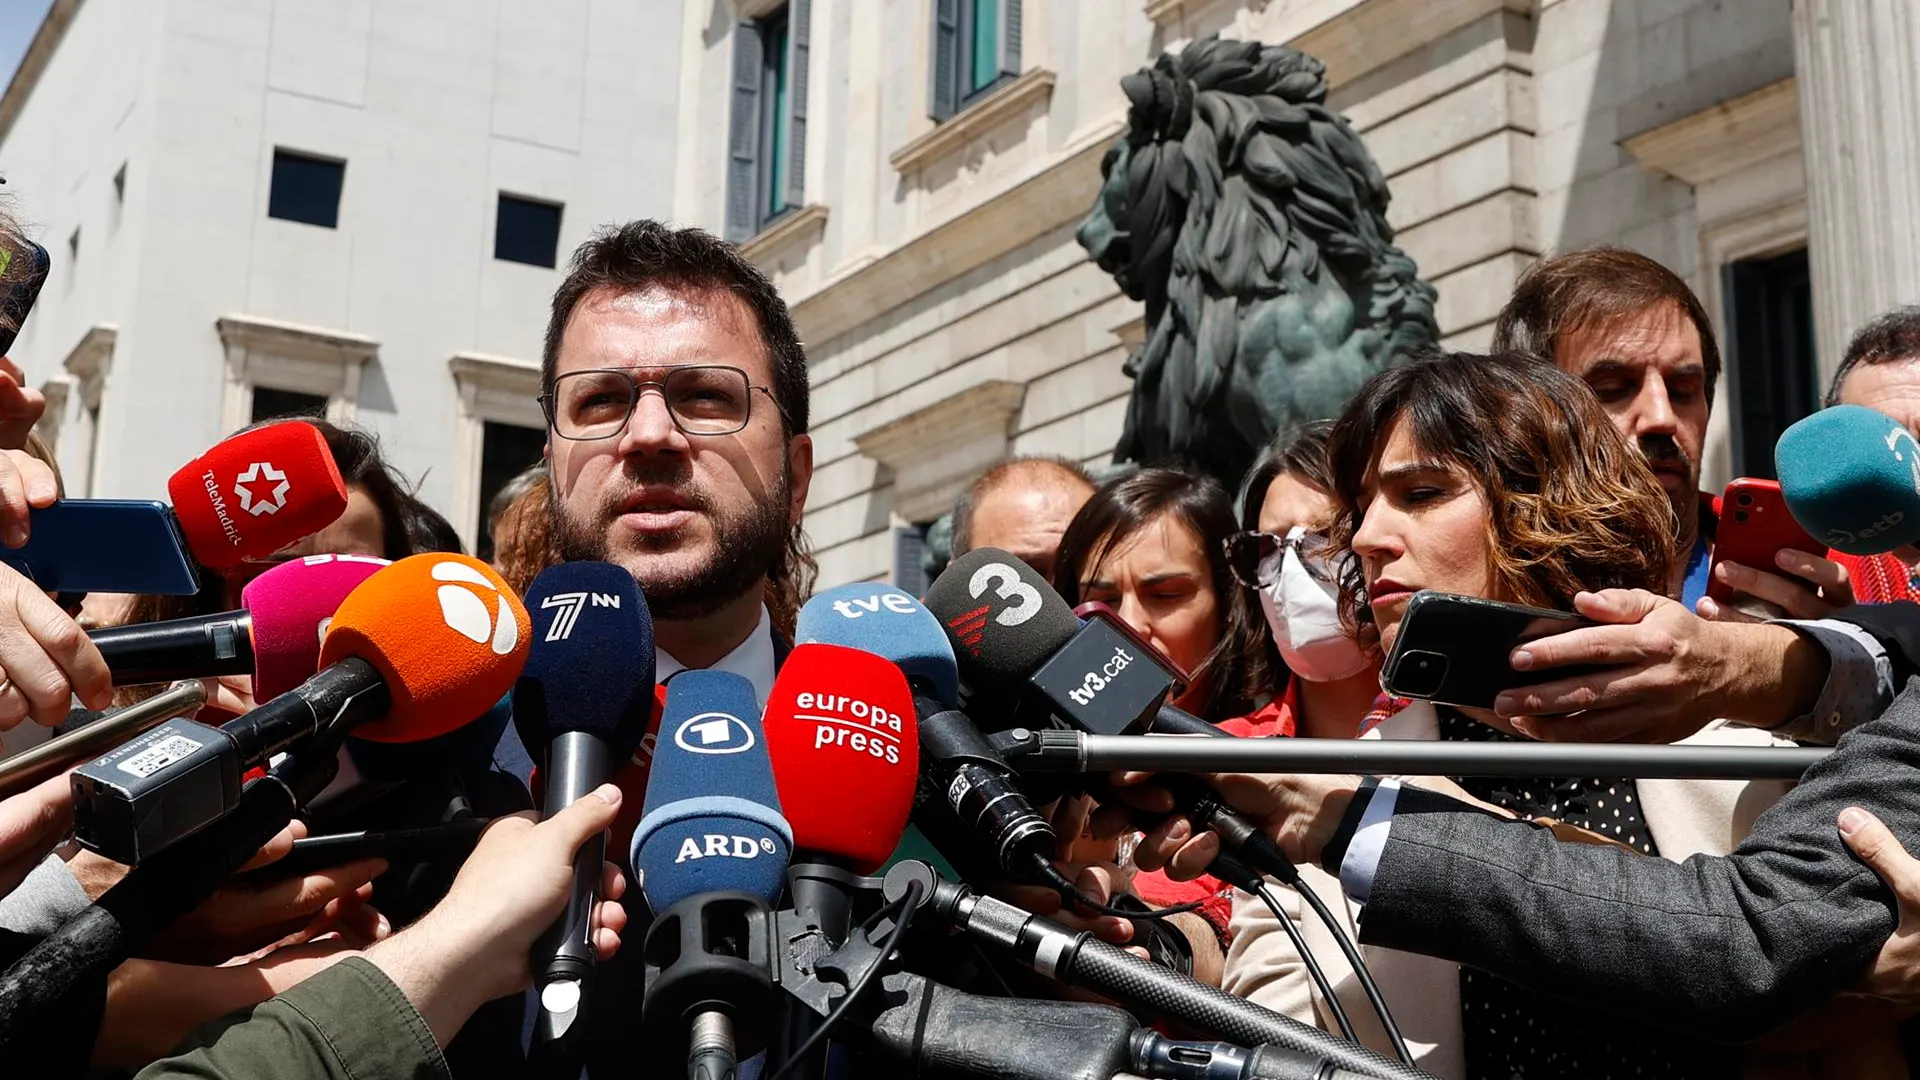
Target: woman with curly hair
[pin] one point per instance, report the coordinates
(1495, 477)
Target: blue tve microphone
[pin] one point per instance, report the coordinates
(712, 821)
(1851, 478)
(958, 767)
(711, 851)
(585, 698)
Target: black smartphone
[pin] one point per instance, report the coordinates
(23, 268)
(105, 545)
(1454, 650)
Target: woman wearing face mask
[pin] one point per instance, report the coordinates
(1496, 477)
(1330, 682)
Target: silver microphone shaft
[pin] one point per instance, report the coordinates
(30, 767)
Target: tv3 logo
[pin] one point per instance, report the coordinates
(1006, 585)
(464, 608)
(1097, 681)
(570, 605)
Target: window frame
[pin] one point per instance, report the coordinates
(767, 132)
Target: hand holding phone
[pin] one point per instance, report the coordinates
(1455, 650)
(1754, 531)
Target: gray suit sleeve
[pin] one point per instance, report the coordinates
(1720, 947)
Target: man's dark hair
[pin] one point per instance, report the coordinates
(969, 499)
(1890, 337)
(1591, 288)
(647, 254)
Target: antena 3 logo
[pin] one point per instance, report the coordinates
(465, 609)
(839, 720)
(570, 605)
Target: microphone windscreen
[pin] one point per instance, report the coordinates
(712, 819)
(846, 752)
(886, 622)
(1003, 618)
(591, 665)
(257, 492)
(446, 632)
(291, 606)
(1851, 477)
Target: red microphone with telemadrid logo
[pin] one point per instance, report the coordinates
(845, 743)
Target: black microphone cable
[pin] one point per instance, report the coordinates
(1360, 972)
(902, 909)
(1314, 971)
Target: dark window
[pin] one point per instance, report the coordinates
(526, 231)
(976, 47)
(767, 136)
(1771, 374)
(306, 188)
(269, 404)
(910, 569)
(505, 450)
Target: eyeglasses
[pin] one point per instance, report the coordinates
(703, 399)
(1253, 557)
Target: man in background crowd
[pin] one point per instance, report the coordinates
(1021, 506)
(1638, 336)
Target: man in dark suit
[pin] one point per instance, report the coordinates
(1729, 947)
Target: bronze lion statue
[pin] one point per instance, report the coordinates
(1252, 222)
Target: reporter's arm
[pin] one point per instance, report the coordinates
(350, 1022)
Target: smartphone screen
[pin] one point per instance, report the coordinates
(1454, 650)
(105, 545)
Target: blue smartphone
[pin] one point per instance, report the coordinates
(105, 545)
(26, 270)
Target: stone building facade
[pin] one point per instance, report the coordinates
(952, 320)
(352, 206)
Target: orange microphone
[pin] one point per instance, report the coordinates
(421, 647)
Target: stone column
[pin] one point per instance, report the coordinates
(1858, 70)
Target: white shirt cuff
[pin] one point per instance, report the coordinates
(1369, 842)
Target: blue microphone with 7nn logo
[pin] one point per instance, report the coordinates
(584, 699)
(711, 851)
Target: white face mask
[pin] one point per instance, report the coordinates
(1303, 612)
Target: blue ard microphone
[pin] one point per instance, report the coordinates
(958, 767)
(711, 852)
(1851, 478)
(584, 699)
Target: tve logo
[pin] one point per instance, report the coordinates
(570, 605)
(465, 610)
(276, 497)
(720, 846)
(860, 605)
(713, 733)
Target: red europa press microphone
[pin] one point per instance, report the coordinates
(257, 492)
(846, 754)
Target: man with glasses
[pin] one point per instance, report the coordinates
(675, 391)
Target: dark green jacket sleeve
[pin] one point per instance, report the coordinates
(350, 1022)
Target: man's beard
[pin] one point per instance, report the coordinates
(747, 547)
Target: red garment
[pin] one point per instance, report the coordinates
(1216, 896)
(1877, 579)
